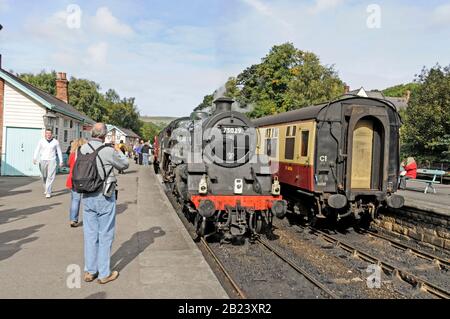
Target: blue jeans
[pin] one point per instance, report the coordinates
(145, 158)
(99, 225)
(75, 206)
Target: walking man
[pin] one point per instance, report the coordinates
(145, 154)
(45, 155)
(100, 209)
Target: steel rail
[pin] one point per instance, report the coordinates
(227, 275)
(406, 276)
(208, 249)
(300, 270)
(441, 262)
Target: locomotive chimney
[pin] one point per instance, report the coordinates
(223, 104)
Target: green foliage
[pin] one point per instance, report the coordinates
(150, 130)
(286, 79)
(44, 81)
(86, 97)
(207, 102)
(123, 113)
(401, 90)
(426, 128)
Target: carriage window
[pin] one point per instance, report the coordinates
(305, 142)
(289, 148)
(272, 142)
(275, 132)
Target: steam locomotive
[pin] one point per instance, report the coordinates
(335, 160)
(210, 163)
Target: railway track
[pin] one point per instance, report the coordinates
(443, 263)
(298, 269)
(238, 291)
(402, 274)
(204, 246)
(233, 283)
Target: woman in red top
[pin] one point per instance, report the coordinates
(410, 171)
(75, 197)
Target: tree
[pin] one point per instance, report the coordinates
(124, 114)
(85, 97)
(207, 102)
(426, 129)
(287, 79)
(44, 81)
(149, 130)
(401, 90)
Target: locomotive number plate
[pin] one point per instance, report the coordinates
(232, 130)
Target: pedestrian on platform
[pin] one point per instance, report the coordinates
(45, 155)
(122, 148)
(145, 154)
(141, 145)
(99, 214)
(409, 171)
(136, 153)
(75, 197)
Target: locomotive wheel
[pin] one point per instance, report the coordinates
(259, 224)
(200, 225)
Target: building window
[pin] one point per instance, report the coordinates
(66, 136)
(71, 124)
(81, 134)
(305, 142)
(56, 132)
(66, 123)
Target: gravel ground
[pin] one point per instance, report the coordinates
(261, 274)
(335, 260)
(401, 259)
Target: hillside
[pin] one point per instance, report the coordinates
(158, 120)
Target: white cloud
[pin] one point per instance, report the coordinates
(441, 14)
(268, 11)
(259, 6)
(97, 54)
(323, 5)
(104, 21)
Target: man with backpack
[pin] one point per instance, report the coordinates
(93, 176)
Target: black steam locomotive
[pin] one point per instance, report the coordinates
(211, 165)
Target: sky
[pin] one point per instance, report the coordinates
(168, 54)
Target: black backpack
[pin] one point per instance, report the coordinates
(85, 176)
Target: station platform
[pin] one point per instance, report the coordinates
(438, 203)
(42, 257)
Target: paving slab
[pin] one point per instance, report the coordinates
(42, 257)
(438, 203)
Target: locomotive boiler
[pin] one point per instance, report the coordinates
(211, 165)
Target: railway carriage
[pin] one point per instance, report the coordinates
(337, 159)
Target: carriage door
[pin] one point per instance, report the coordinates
(362, 155)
